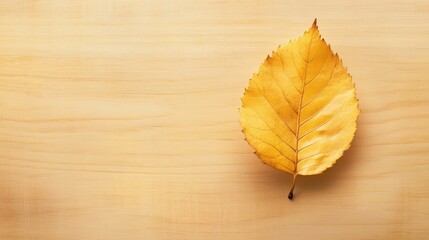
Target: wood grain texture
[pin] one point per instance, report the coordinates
(119, 120)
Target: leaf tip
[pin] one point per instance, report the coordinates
(314, 23)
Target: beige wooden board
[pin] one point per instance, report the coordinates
(119, 120)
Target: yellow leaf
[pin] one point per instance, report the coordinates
(300, 110)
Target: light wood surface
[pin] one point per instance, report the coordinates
(119, 120)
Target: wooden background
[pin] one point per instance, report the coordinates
(119, 120)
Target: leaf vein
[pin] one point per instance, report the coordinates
(324, 123)
(320, 92)
(329, 137)
(272, 145)
(323, 66)
(287, 75)
(272, 129)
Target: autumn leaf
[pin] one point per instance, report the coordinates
(299, 111)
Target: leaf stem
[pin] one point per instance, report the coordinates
(290, 196)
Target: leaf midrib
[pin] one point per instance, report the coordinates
(300, 104)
